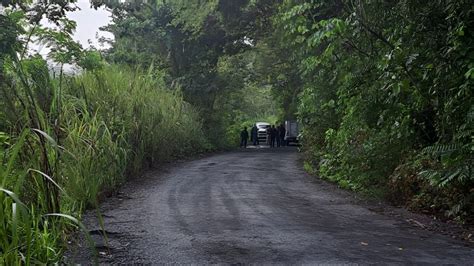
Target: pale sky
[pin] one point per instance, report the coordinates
(88, 22)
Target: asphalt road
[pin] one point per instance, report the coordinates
(255, 206)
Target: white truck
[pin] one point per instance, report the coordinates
(262, 131)
(291, 131)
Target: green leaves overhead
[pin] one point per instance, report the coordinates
(187, 39)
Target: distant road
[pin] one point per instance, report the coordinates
(257, 206)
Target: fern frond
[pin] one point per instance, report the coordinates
(442, 148)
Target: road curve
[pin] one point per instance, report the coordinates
(256, 206)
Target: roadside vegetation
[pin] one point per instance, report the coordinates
(59, 154)
(383, 92)
(66, 139)
(385, 97)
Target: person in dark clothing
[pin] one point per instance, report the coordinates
(272, 136)
(254, 135)
(244, 136)
(269, 133)
(282, 133)
(278, 139)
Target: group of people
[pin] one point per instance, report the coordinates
(275, 136)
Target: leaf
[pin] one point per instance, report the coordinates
(49, 178)
(469, 74)
(47, 137)
(14, 154)
(14, 197)
(411, 58)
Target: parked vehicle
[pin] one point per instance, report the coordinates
(262, 131)
(292, 131)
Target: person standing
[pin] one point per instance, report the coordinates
(272, 136)
(269, 133)
(254, 135)
(278, 139)
(282, 133)
(244, 136)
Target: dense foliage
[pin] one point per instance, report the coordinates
(65, 139)
(206, 49)
(386, 96)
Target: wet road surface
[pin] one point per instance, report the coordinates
(255, 206)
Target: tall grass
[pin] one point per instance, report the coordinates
(58, 151)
